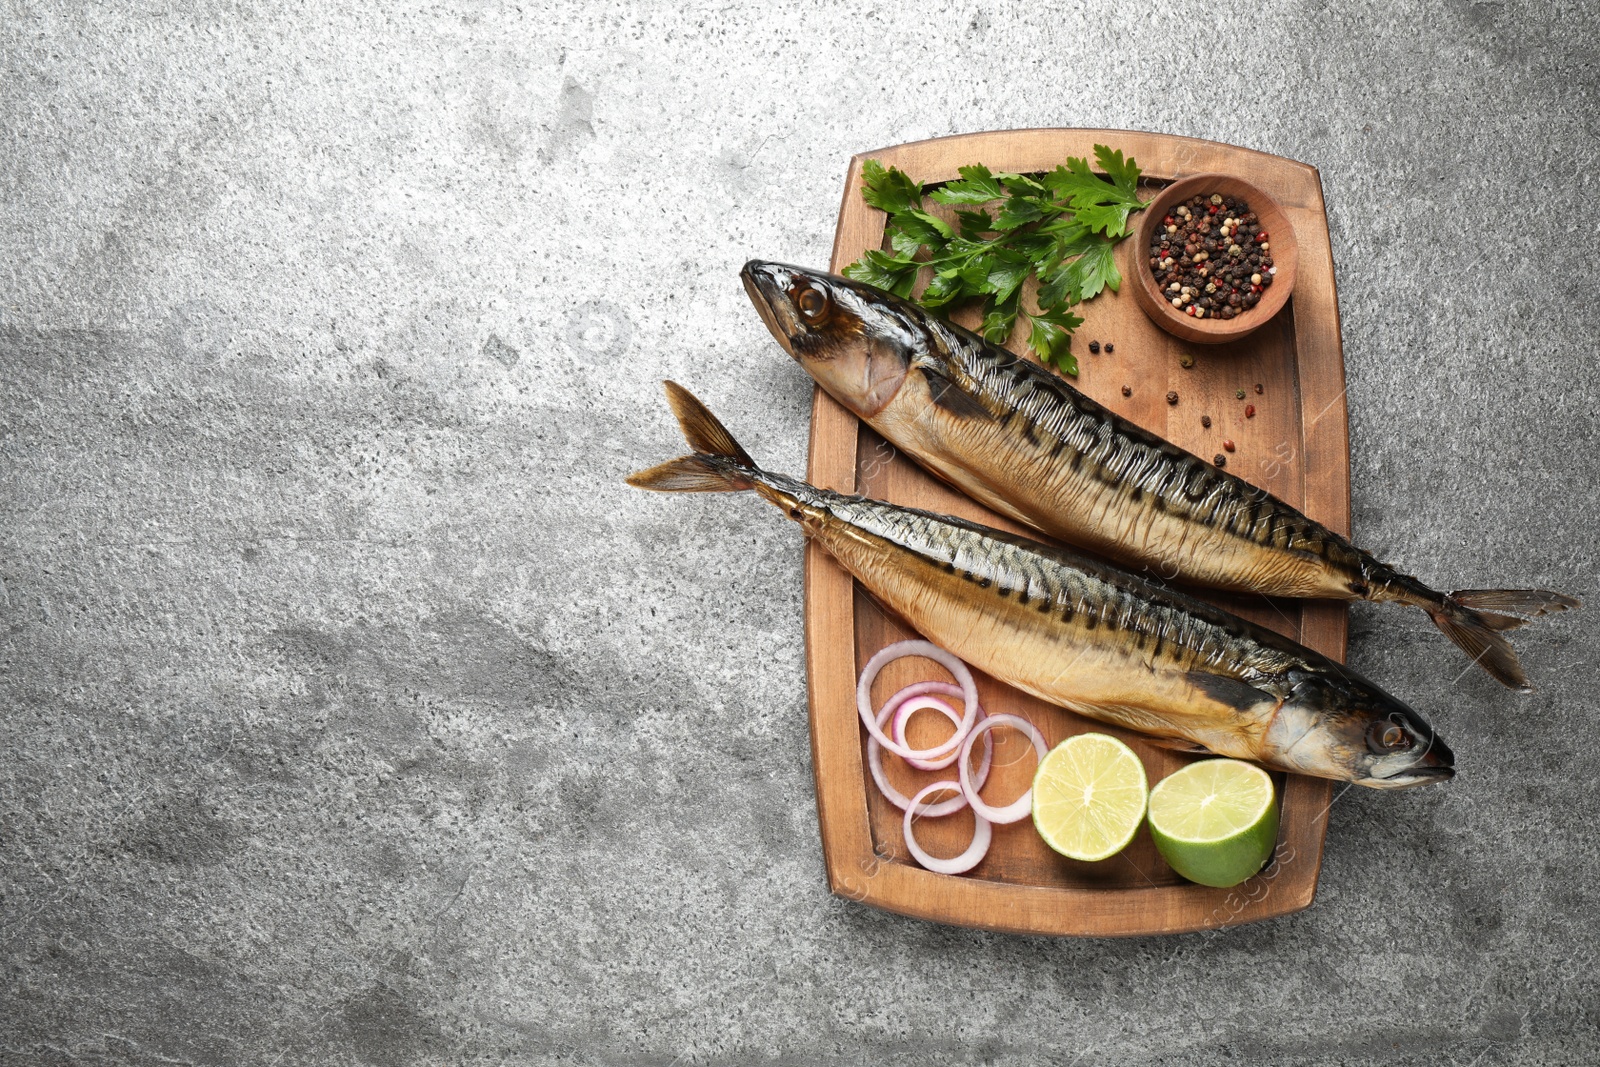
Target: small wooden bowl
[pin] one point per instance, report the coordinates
(1212, 331)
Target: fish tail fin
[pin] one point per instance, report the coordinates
(1507, 609)
(1474, 620)
(692, 474)
(718, 464)
(703, 430)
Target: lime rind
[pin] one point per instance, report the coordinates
(1089, 797)
(1215, 822)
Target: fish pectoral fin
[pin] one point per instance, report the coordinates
(1227, 690)
(1178, 744)
(952, 395)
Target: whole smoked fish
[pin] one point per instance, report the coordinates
(1084, 635)
(1021, 440)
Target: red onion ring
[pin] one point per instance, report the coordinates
(982, 833)
(898, 731)
(899, 799)
(963, 677)
(902, 715)
(1018, 809)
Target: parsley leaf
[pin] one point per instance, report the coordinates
(1087, 263)
(943, 228)
(1124, 174)
(945, 288)
(1019, 211)
(1021, 184)
(974, 224)
(1000, 320)
(1007, 271)
(1100, 204)
(1050, 336)
(1095, 271)
(977, 186)
(920, 228)
(890, 190)
(883, 271)
(1060, 227)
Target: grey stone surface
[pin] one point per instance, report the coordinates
(353, 712)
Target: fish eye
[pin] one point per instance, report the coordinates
(813, 304)
(1389, 734)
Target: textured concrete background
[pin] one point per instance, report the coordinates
(355, 713)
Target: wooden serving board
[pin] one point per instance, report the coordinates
(1296, 446)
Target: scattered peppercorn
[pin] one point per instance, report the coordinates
(1205, 420)
(1110, 348)
(1259, 390)
(1227, 444)
(1210, 257)
(1172, 396)
(1239, 394)
(1127, 391)
(1186, 361)
(1220, 460)
(1094, 346)
(1249, 411)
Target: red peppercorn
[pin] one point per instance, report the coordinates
(1259, 390)
(1261, 238)
(1227, 444)
(1249, 411)
(1127, 391)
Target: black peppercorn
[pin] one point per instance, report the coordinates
(1205, 420)
(1172, 396)
(1220, 460)
(1094, 346)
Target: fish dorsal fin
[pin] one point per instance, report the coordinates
(951, 393)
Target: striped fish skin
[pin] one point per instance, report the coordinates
(1024, 442)
(1086, 636)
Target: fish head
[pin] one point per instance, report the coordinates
(1341, 726)
(856, 341)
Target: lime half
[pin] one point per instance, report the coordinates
(1215, 821)
(1088, 797)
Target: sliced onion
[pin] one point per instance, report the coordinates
(899, 799)
(906, 707)
(963, 678)
(982, 832)
(1018, 809)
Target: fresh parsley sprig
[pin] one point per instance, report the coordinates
(1060, 226)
